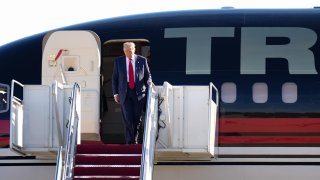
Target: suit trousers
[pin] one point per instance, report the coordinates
(131, 112)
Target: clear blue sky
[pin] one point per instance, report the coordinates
(21, 18)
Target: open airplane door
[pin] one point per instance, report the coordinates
(74, 56)
(39, 114)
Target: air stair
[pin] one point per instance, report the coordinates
(108, 161)
(124, 162)
(180, 125)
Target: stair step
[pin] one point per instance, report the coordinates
(105, 165)
(107, 160)
(105, 178)
(109, 171)
(109, 149)
(91, 142)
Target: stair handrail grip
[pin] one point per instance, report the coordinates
(150, 133)
(68, 164)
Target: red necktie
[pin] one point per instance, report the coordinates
(131, 77)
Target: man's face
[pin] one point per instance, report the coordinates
(129, 51)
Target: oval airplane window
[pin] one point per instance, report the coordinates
(289, 92)
(228, 92)
(260, 92)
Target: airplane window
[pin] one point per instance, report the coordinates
(289, 92)
(228, 92)
(70, 63)
(260, 92)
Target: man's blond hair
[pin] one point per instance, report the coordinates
(128, 45)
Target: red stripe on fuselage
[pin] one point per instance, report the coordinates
(248, 125)
(4, 126)
(233, 131)
(4, 132)
(4, 141)
(284, 125)
(224, 140)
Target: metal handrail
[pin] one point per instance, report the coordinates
(59, 165)
(74, 116)
(150, 133)
(72, 133)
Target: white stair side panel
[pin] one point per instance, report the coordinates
(36, 116)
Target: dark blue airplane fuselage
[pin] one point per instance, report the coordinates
(233, 36)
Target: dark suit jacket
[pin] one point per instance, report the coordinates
(119, 77)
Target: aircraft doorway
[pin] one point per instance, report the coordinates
(112, 127)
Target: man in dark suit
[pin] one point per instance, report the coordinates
(131, 76)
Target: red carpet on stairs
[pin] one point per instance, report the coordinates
(94, 178)
(109, 149)
(111, 160)
(107, 161)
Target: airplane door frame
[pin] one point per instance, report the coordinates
(112, 49)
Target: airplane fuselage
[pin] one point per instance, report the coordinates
(265, 64)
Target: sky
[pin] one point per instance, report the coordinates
(22, 18)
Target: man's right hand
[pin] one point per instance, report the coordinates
(116, 98)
